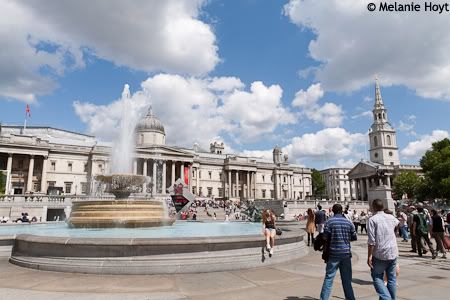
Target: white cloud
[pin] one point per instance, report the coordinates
(352, 44)
(418, 148)
(198, 110)
(42, 39)
(405, 127)
(345, 163)
(266, 154)
(368, 99)
(329, 114)
(327, 144)
(365, 114)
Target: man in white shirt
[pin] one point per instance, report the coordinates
(382, 251)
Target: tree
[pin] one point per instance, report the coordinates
(436, 166)
(2, 183)
(318, 186)
(406, 183)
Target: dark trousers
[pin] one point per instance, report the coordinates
(363, 226)
(356, 226)
(416, 240)
(419, 236)
(310, 238)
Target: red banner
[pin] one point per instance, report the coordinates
(186, 175)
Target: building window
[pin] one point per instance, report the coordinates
(284, 179)
(85, 168)
(209, 191)
(53, 166)
(388, 137)
(300, 181)
(390, 153)
(84, 188)
(67, 187)
(199, 174)
(200, 191)
(36, 186)
(210, 174)
(69, 167)
(263, 179)
(376, 154)
(220, 192)
(51, 183)
(263, 193)
(272, 194)
(194, 190)
(220, 175)
(100, 168)
(375, 141)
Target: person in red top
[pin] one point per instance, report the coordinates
(448, 223)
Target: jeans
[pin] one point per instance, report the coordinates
(404, 231)
(345, 268)
(379, 268)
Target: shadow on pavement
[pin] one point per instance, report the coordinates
(361, 282)
(300, 298)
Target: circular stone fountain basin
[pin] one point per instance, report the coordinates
(139, 255)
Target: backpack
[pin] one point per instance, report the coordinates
(422, 225)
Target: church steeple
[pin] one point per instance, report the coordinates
(383, 141)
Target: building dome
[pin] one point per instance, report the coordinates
(150, 123)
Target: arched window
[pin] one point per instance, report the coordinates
(142, 138)
(375, 141)
(384, 116)
(388, 137)
(379, 116)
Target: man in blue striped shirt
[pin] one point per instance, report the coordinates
(339, 232)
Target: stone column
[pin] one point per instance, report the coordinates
(197, 178)
(30, 174)
(144, 168)
(154, 178)
(172, 179)
(182, 171)
(190, 178)
(367, 188)
(280, 192)
(135, 166)
(164, 186)
(350, 189)
(360, 189)
(44, 174)
(236, 193)
(8, 173)
(248, 185)
(254, 184)
(388, 180)
(230, 185)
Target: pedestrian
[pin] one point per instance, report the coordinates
(338, 232)
(382, 251)
(420, 228)
(363, 221)
(269, 229)
(320, 219)
(310, 226)
(403, 226)
(355, 219)
(437, 232)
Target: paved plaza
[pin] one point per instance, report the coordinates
(420, 278)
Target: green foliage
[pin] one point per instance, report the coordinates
(436, 166)
(318, 185)
(406, 183)
(2, 183)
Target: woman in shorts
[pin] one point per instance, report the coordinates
(268, 220)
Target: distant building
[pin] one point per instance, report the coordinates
(40, 158)
(337, 184)
(373, 179)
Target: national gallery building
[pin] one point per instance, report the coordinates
(39, 159)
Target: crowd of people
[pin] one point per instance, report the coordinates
(338, 228)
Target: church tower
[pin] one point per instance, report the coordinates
(383, 140)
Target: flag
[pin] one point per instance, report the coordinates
(27, 111)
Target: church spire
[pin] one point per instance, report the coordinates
(378, 100)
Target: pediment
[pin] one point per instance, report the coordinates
(362, 169)
(163, 150)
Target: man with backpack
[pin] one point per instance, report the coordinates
(420, 228)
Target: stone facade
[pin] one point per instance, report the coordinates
(43, 157)
(338, 184)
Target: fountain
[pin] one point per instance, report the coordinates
(127, 234)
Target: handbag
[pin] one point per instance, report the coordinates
(447, 242)
(278, 231)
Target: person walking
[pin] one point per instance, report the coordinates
(420, 228)
(403, 226)
(320, 219)
(363, 222)
(356, 220)
(338, 233)
(310, 226)
(269, 229)
(382, 251)
(437, 232)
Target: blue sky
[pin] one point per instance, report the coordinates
(231, 71)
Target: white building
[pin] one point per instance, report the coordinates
(373, 179)
(41, 157)
(337, 184)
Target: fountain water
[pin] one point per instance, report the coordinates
(122, 211)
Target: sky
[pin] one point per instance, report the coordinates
(254, 74)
